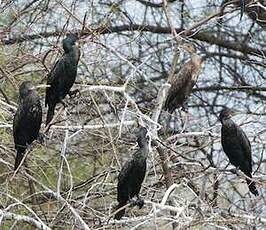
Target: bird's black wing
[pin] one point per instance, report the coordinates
(53, 80)
(27, 120)
(139, 177)
(35, 113)
(17, 132)
(123, 182)
(125, 172)
(245, 146)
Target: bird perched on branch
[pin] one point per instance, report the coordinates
(237, 146)
(183, 82)
(62, 76)
(27, 120)
(132, 175)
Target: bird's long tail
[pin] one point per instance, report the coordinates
(167, 105)
(50, 114)
(242, 8)
(121, 213)
(251, 185)
(19, 157)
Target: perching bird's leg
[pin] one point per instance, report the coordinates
(184, 107)
(139, 202)
(29, 147)
(41, 138)
(136, 202)
(235, 170)
(132, 201)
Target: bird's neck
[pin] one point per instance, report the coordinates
(141, 155)
(73, 53)
(228, 123)
(142, 142)
(68, 47)
(143, 149)
(196, 59)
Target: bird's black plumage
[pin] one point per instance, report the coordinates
(237, 147)
(62, 76)
(27, 120)
(242, 8)
(132, 175)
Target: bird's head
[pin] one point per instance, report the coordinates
(69, 42)
(190, 48)
(227, 113)
(142, 136)
(25, 89)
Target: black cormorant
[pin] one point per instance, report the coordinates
(27, 120)
(62, 76)
(183, 82)
(132, 175)
(237, 146)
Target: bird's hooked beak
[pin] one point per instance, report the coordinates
(43, 86)
(234, 113)
(80, 42)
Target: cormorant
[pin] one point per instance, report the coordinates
(62, 76)
(132, 175)
(237, 146)
(27, 120)
(183, 82)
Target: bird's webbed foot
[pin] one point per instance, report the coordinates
(136, 202)
(132, 202)
(41, 138)
(235, 170)
(28, 147)
(184, 107)
(74, 93)
(140, 202)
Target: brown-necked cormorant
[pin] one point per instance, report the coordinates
(183, 82)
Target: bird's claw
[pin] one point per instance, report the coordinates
(137, 202)
(74, 93)
(140, 203)
(41, 138)
(28, 147)
(184, 107)
(234, 170)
